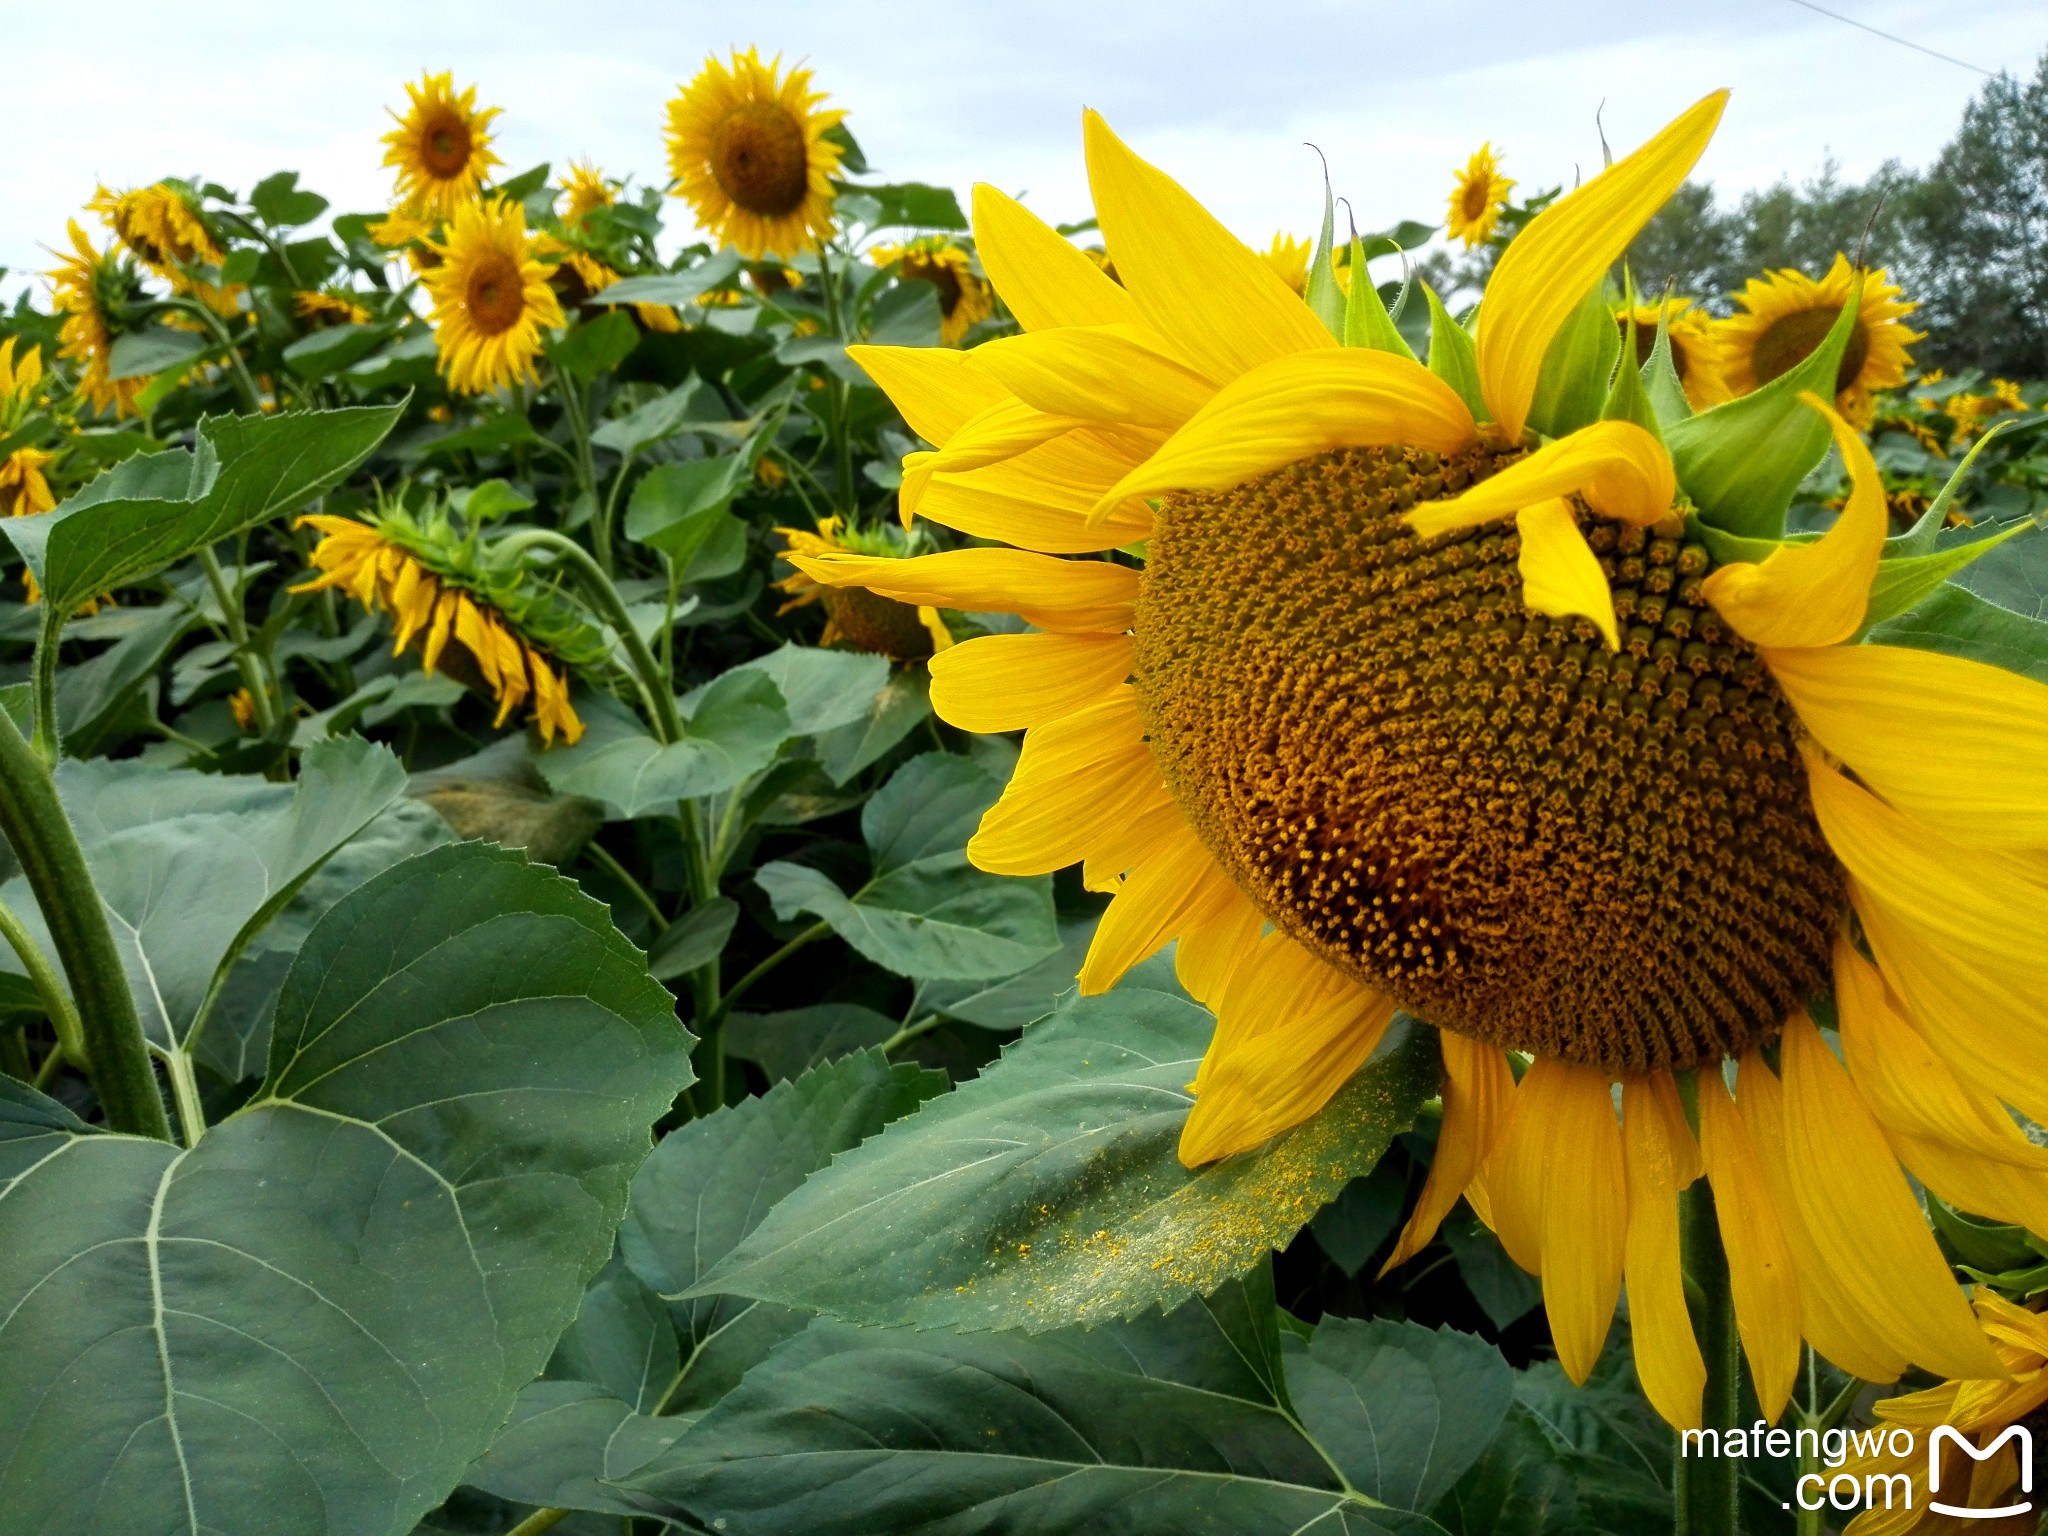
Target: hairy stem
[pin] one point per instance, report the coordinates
(57, 1003)
(1706, 1487)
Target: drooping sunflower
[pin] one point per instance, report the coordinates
(1984, 1411)
(747, 149)
(964, 298)
(1785, 314)
(323, 308)
(1406, 708)
(587, 190)
(1478, 198)
(86, 287)
(1695, 350)
(491, 298)
(406, 228)
(463, 632)
(1288, 257)
(441, 147)
(862, 619)
(580, 274)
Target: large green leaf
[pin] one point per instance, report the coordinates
(822, 689)
(149, 511)
(317, 1317)
(1172, 1424)
(735, 727)
(1048, 1190)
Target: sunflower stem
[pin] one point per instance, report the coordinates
(1706, 1488)
(36, 827)
(836, 393)
(49, 642)
(57, 1005)
(247, 661)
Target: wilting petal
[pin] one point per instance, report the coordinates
(1668, 1361)
(934, 387)
(1044, 279)
(1620, 470)
(1195, 282)
(1477, 1090)
(1097, 373)
(1067, 596)
(1552, 265)
(1010, 682)
(1561, 576)
(1818, 593)
(1760, 1266)
(1076, 780)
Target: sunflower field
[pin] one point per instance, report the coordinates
(749, 849)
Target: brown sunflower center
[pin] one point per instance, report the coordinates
(941, 276)
(1608, 858)
(880, 625)
(495, 294)
(1791, 339)
(1477, 196)
(759, 159)
(445, 145)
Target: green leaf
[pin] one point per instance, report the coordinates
(1323, 295)
(661, 417)
(1366, 321)
(678, 506)
(327, 352)
(928, 809)
(1505, 1291)
(913, 205)
(903, 705)
(1049, 1189)
(1741, 461)
(736, 726)
(1171, 1424)
(1401, 1410)
(281, 203)
(908, 315)
(1659, 376)
(92, 695)
(149, 511)
(154, 349)
(596, 346)
(1521, 1486)
(789, 1044)
(508, 429)
(1902, 584)
(822, 689)
(1572, 385)
(316, 1318)
(693, 940)
(1453, 357)
(1015, 1001)
(672, 288)
(939, 918)
(567, 1446)
(1958, 622)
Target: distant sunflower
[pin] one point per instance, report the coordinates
(864, 620)
(491, 298)
(462, 633)
(1695, 351)
(86, 286)
(1478, 198)
(964, 298)
(1786, 315)
(580, 274)
(440, 148)
(1289, 257)
(587, 190)
(24, 490)
(324, 309)
(163, 226)
(748, 150)
(242, 706)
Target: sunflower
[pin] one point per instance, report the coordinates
(462, 633)
(491, 298)
(242, 707)
(747, 148)
(24, 490)
(1477, 200)
(587, 191)
(1785, 314)
(163, 226)
(1289, 258)
(580, 274)
(404, 227)
(863, 619)
(86, 286)
(440, 148)
(964, 298)
(1981, 1410)
(324, 309)
(1403, 711)
(1695, 351)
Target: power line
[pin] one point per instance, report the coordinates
(1890, 38)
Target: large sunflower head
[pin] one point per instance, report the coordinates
(1405, 706)
(1784, 316)
(441, 147)
(1695, 349)
(491, 298)
(88, 289)
(747, 148)
(1478, 198)
(964, 297)
(854, 616)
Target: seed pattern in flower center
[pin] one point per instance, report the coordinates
(496, 296)
(445, 146)
(759, 159)
(1605, 858)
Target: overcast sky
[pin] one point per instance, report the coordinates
(1223, 93)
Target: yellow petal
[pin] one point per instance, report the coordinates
(1552, 265)
(1668, 1361)
(935, 626)
(1760, 1267)
(1818, 593)
(1193, 280)
(1511, 1181)
(1044, 279)
(1620, 470)
(1880, 708)
(1290, 1033)
(1297, 407)
(935, 388)
(1585, 1217)
(1477, 1090)
(1041, 498)
(1066, 596)
(1209, 954)
(990, 436)
(1561, 576)
(1096, 373)
(1151, 824)
(1076, 778)
(1869, 1228)
(1009, 682)
(1178, 889)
